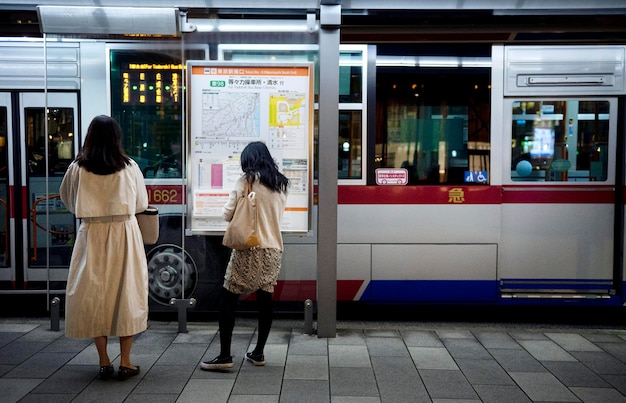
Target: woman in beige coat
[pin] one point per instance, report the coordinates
(253, 270)
(107, 286)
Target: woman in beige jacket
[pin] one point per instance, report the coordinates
(256, 269)
(107, 286)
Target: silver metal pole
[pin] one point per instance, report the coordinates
(330, 21)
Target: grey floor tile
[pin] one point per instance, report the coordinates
(201, 391)
(67, 345)
(421, 338)
(381, 333)
(69, 379)
(253, 380)
(182, 354)
(40, 365)
(15, 389)
(494, 339)
(546, 350)
(466, 348)
(520, 335)
(197, 336)
(111, 391)
(454, 334)
(358, 399)
(484, 372)
(432, 358)
(599, 395)
(572, 342)
(19, 328)
(352, 382)
(348, 356)
(8, 337)
(47, 398)
(386, 346)
(251, 398)
(602, 337)
(348, 336)
(575, 374)
(543, 387)
(41, 333)
(275, 354)
(312, 367)
(517, 360)
(305, 391)
(617, 381)
(398, 380)
(617, 350)
(447, 384)
(307, 345)
(19, 351)
(601, 363)
(162, 379)
(501, 393)
(152, 398)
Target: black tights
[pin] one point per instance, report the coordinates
(228, 304)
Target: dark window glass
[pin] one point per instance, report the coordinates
(435, 123)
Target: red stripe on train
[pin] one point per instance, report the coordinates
(419, 195)
(301, 290)
(475, 194)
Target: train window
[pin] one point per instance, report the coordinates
(559, 140)
(349, 145)
(60, 140)
(435, 123)
(351, 76)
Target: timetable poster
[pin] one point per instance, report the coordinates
(231, 105)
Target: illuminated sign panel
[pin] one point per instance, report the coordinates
(151, 83)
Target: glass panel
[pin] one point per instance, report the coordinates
(146, 101)
(4, 190)
(350, 148)
(435, 123)
(351, 77)
(50, 223)
(561, 140)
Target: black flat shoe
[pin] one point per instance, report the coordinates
(106, 371)
(124, 373)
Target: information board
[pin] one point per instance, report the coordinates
(233, 104)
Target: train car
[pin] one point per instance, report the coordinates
(480, 149)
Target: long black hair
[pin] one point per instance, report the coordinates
(102, 152)
(256, 161)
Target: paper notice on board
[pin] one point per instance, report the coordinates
(232, 105)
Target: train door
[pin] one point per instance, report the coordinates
(37, 143)
(559, 173)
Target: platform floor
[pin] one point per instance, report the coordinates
(366, 363)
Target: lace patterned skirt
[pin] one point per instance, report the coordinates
(254, 269)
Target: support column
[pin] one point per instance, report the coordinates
(330, 22)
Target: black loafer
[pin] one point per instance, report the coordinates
(106, 371)
(124, 373)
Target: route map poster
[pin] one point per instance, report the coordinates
(231, 105)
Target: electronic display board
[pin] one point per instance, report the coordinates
(232, 104)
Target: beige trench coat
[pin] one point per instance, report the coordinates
(107, 286)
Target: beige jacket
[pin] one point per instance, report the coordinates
(270, 208)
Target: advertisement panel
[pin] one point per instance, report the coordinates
(233, 104)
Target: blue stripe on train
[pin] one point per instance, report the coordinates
(430, 290)
(470, 291)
